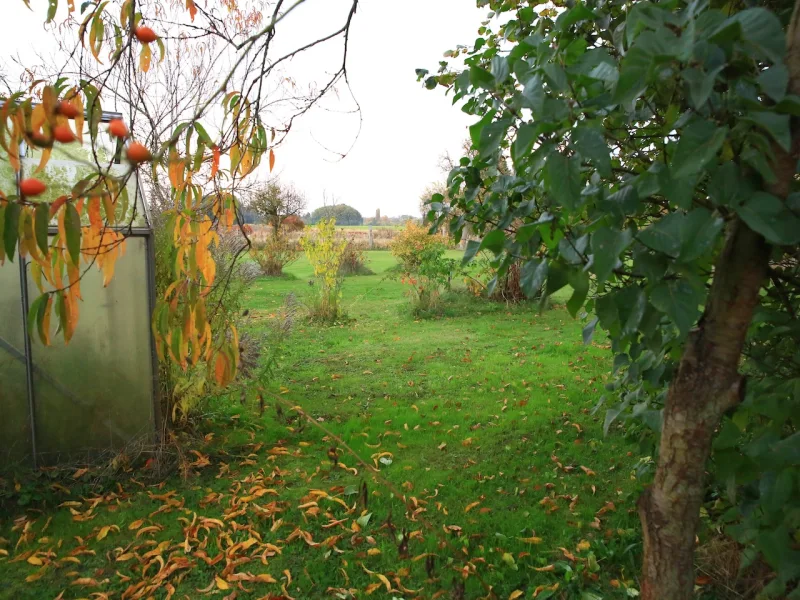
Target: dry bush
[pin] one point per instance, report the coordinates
(719, 567)
(354, 261)
(275, 254)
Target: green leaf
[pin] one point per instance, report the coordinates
(638, 305)
(51, 10)
(767, 215)
(774, 82)
(762, 29)
(588, 331)
(11, 228)
(36, 313)
(699, 143)
(500, 70)
(607, 245)
(684, 236)
(777, 125)
(590, 143)
(579, 281)
(201, 131)
(491, 136)
(632, 81)
(579, 12)
(533, 95)
(556, 77)
(72, 227)
(473, 246)
(494, 241)
(481, 78)
(700, 84)
(532, 277)
(679, 300)
(523, 144)
(563, 180)
(41, 221)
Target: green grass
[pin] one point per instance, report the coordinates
(484, 414)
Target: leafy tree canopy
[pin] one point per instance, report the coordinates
(652, 171)
(344, 215)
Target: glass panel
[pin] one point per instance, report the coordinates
(97, 391)
(70, 163)
(15, 430)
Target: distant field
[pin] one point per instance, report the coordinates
(366, 227)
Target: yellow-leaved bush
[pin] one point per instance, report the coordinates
(325, 251)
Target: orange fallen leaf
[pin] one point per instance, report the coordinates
(221, 583)
(471, 505)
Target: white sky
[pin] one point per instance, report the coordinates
(405, 127)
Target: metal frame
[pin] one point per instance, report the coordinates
(149, 238)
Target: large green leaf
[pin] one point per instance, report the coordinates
(607, 245)
(41, 222)
(679, 300)
(563, 180)
(492, 135)
(494, 241)
(699, 143)
(11, 228)
(532, 277)
(683, 236)
(590, 143)
(770, 217)
(777, 125)
(762, 29)
(72, 228)
(579, 281)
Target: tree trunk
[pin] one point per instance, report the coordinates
(706, 385)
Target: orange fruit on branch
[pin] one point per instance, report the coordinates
(68, 110)
(63, 134)
(32, 187)
(138, 153)
(117, 128)
(145, 34)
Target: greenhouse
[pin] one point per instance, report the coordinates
(66, 402)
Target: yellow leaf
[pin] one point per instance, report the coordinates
(546, 569)
(516, 594)
(221, 583)
(103, 532)
(263, 578)
(79, 473)
(145, 58)
(471, 506)
(373, 551)
(583, 545)
(136, 524)
(385, 581)
(531, 540)
(35, 560)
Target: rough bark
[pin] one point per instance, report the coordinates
(706, 385)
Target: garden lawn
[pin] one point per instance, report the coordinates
(494, 475)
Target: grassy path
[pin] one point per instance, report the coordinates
(481, 419)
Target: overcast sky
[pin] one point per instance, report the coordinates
(405, 127)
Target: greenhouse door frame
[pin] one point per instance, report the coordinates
(133, 232)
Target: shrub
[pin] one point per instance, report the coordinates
(354, 261)
(325, 251)
(432, 276)
(183, 391)
(409, 244)
(508, 287)
(293, 223)
(274, 255)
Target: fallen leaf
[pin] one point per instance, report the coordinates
(221, 583)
